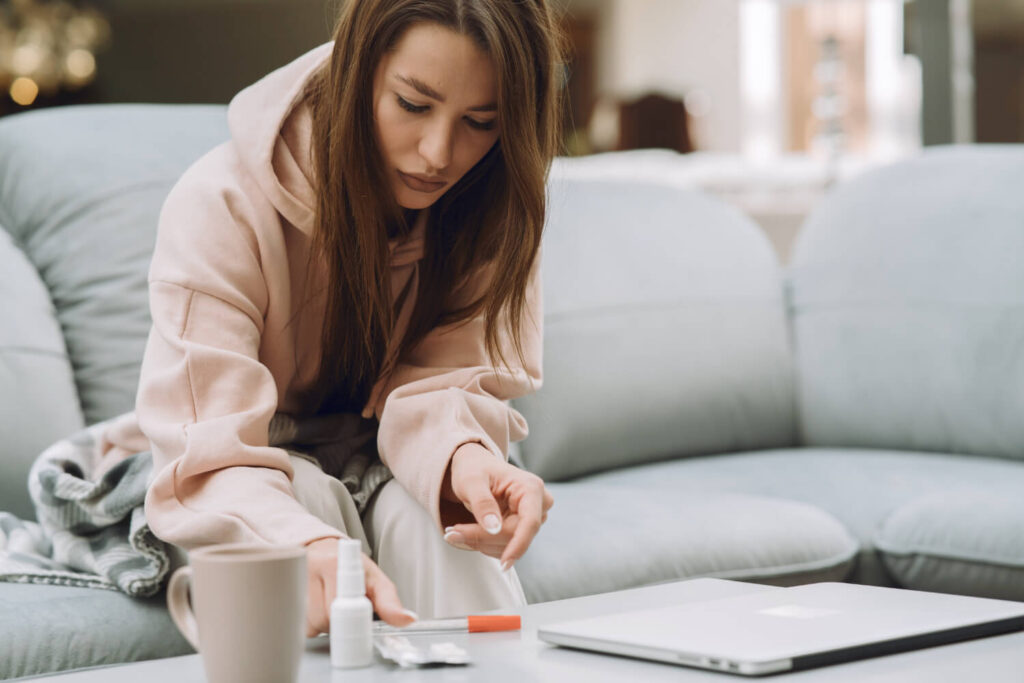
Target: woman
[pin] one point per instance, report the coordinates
(366, 243)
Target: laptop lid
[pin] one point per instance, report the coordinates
(791, 628)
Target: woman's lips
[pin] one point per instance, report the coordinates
(418, 185)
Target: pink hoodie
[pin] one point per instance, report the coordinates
(226, 279)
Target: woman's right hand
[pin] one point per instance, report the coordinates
(321, 567)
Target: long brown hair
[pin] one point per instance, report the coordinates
(492, 217)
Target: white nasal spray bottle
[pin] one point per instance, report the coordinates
(351, 611)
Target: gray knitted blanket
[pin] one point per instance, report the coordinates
(93, 532)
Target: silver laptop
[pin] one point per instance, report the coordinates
(786, 629)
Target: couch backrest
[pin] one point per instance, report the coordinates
(80, 192)
(665, 331)
(908, 307)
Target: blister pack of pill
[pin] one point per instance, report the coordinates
(404, 653)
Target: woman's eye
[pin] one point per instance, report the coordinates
(409, 106)
(419, 109)
(480, 125)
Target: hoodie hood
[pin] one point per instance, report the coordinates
(271, 126)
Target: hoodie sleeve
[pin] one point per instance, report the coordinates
(446, 395)
(205, 400)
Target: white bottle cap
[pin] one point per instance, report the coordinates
(351, 576)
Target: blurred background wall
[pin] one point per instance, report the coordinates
(202, 50)
(970, 55)
(766, 103)
(167, 50)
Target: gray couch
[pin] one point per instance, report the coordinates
(858, 415)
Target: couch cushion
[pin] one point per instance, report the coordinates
(664, 331)
(908, 307)
(968, 542)
(80, 192)
(606, 538)
(54, 628)
(860, 488)
(38, 400)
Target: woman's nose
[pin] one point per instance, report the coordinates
(436, 146)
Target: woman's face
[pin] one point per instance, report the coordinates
(435, 108)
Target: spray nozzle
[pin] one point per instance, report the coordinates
(351, 581)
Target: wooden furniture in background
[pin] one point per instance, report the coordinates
(999, 70)
(654, 121)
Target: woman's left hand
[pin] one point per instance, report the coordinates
(506, 505)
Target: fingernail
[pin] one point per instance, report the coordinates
(410, 613)
(492, 524)
(457, 540)
(506, 565)
(449, 529)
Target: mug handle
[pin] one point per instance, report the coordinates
(177, 603)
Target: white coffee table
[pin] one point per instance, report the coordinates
(519, 656)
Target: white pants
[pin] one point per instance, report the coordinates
(433, 578)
